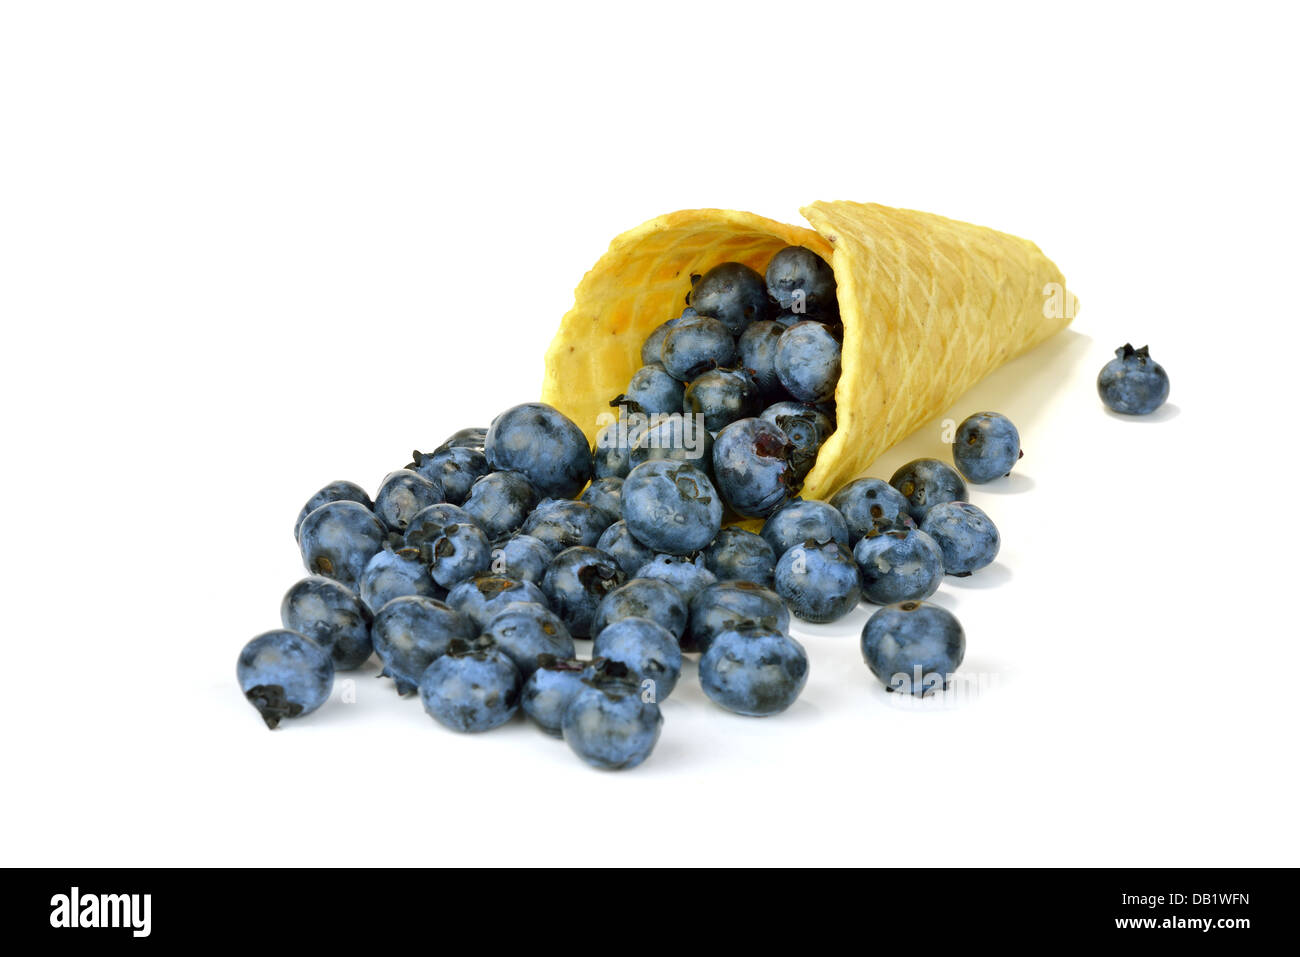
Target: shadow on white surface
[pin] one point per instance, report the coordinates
(991, 576)
(1163, 414)
(1012, 484)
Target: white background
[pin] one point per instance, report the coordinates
(247, 248)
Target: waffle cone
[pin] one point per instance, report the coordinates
(930, 306)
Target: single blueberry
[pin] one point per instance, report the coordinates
(563, 523)
(727, 604)
(926, 483)
(608, 723)
(522, 558)
(479, 599)
(671, 507)
(499, 502)
(651, 389)
(738, 555)
(524, 630)
(546, 447)
(334, 492)
(753, 467)
(696, 345)
(756, 352)
(801, 281)
(807, 427)
(722, 396)
(1133, 383)
(754, 670)
(687, 573)
(402, 495)
(548, 691)
(393, 573)
(819, 581)
(913, 646)
(473, 687)
(677, 438)
(339, 539)
(800, 521)
(284, 675)
(872, 504)
(472, 438)
(898, 564)
(460, 553)
(650, 598)
(808, 361)
(578, 579)
(733, 294)
(331, 615)
(986, 447)
(606, 494)
(620, 544)
(455, 470)
(428, 524)
(967, 537)
(648, 649)
(410, 632)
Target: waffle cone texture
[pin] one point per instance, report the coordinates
(930, 306)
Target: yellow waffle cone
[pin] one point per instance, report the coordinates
(929, 305)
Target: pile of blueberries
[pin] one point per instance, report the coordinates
(477, 567)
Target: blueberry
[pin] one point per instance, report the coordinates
(524, 630)
(473, 687)
(753, 467)
(393, 573)
(807, 427)
(986, 447)
(926, 483)
(479, 599)
(521, 557)
(651, 389)
(808, 361)
(472, 438)
(696, 345)
(339, 539)
(819, 581)
(678, 438)
(410, 632)
(648, 649)
(756, 352)
(428, 524)
(671, 507)
(402, 495)
(754, 670)
(801, 281)
(546, 447)
(499, 502)
(612, 452)
(608, 723)
(967, 537)
(460, 553)
(688, 574)
(652, 350)
(455, 470)
(732, 293)
(800, 521)
(620, 544)
(650, 598)
(334, 492)
(562, 523)
(578, 579)
(872, 504)
(548, 691)
(722, 396)
(332, 616)
(606, 494)
(913, 646)
(738, 555)
(284, 675)
(728, 604)
(898, 564)
(1133, 383)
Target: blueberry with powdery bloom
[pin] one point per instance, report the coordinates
(926, 483)
(563, 523)
(807, 427)
(649, 598)
(648, 649)
(612, 451)
(402, 495)
(499, 503)
(540, 442)
(754, 670)
(410, 632)
(651, 389)
(284, 675)
(722, 396)
(521, 557)
(898, 564)
(455, 470)
(339, 491)
(393, 573)
(687, 573)
(986, 446)
(473, 687)
(1133, 383)
(472, 438)
(548, 691)
(800, 521)
(331, 615)
(913, 646)
(620, 544)
(756, 352)
(727, 604)
(608, 722)
(524, 630)
(819, 581)
(800, 281)
(428, 525)
(479, 599)
(753, 467)
(808, 361)
(606, 494)
(339, 539)
(967, 537)
(872, 504)
(652, 350)
(696, 345)
(577, 581)
(740, 555)
(460, 553)
(733, 294)
(671, 507)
